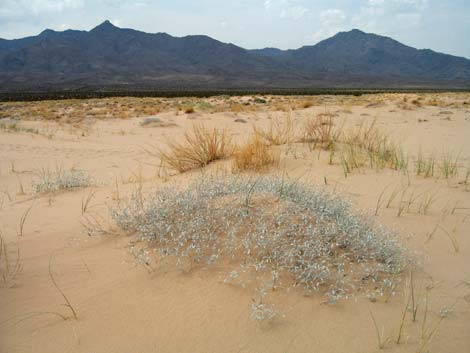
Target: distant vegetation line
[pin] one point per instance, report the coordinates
(38, 96)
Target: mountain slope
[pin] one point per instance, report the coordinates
(108, 56)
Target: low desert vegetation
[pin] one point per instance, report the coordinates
(284, 233)
(362, 146)
(255, 155)
(415, 310)
(153, 121)
(67, 303)
(23, 218)
(189, 110)
(14, 126)
(61, 179)
(449, 164)
(10, 261)
(199, 147)
(425, 166)
(321, 132)
(279, 132)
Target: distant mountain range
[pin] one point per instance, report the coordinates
(109, 57)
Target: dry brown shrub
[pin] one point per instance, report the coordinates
(322, 131)
(254, 155)
(200, 147)
(306, 104)
(237, 108)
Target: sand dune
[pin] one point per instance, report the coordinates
(125, 305)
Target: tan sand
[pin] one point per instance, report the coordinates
(124, 306)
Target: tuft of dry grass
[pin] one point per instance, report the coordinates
(200, 147)
(367, 142)
(8, 268)
(381, 339)
(280, 131)
(254, 155)
(321, 131)
(306, 104)
(66, 299)
(23, 219)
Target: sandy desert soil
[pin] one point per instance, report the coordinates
(123, 305)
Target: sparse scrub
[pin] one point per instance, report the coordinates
(59, 179)
(322, 132)
(425, 166)
(200, 147)
(449, 165)
(254, 155)
(280, 131)
(306, 104)
(357, 147)
(381, 151)
(352, 157)
(154, 121)
(307, 236)
(189, 110)
(14, 126)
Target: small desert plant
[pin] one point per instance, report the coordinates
(428, 331)
(380, 200)
(305, 235)
(151, 120)
(321, 131)
(427, 200)
(59, 179)
(8, 268)
(200, 147)
(86, 199)
(189, 110)
(452, 238)
(466, 181)
(407, 300)
(14, 126)
(261, 311)
(425, 166)
(352, 157)
(66, 299)
(306, 104)
(449, 166)
(381, 339)
(368, 144)
(280, 131)
(23, 219)
(254, 155)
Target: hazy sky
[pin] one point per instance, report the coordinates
(441, 25)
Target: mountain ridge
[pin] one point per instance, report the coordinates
(109, 56)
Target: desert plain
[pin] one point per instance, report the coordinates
(73, 280)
